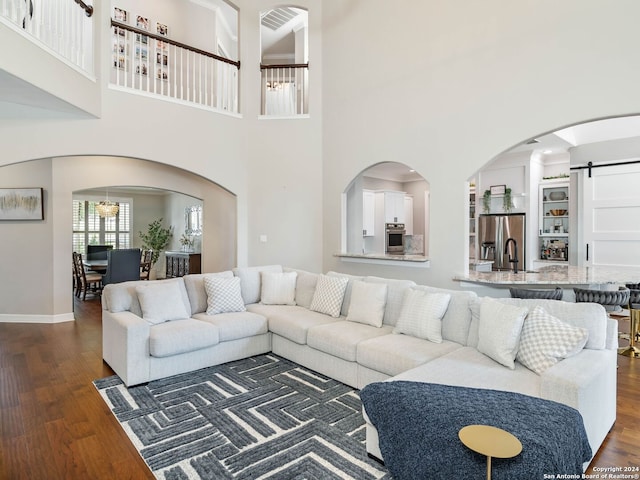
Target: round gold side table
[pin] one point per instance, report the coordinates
(490, 441)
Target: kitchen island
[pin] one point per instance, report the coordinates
(564, 276)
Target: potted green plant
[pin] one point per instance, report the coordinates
(156, 239)
(486, 201)
(507, 203)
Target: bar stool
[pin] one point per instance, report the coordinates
(611, 300)
(634, 322)
(634, 332)
(548, 294)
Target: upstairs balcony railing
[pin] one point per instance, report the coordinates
(154, 64)
(285, 90)
(65, 27)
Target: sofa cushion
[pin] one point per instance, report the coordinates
(278, 288)
(223, 295)
(545, 341)
(341, 339)
(181, 336)
(394, 354)
(457, 318)
(395, 297)
(591, 316)
(161, 302)
(467, 367)
(122, 297)
(305, 286)
(235, 325)
(329, 295)
(422, 313)
(291, 322)
(194, 283)
(347, 293)
(250, 280)
(499, 330)
(367, 303)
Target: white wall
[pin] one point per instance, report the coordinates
(465, 82)
(27, 247)
(285, 174)
(273, 165)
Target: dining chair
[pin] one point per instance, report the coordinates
(85, 281)
(145, 264)
(122, 266)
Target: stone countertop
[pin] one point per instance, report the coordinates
(556, 275)
(383, 256)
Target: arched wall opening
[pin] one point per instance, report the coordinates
(45, 246)
(583, 223)
(367, 209)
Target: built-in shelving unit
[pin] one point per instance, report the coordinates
(472, 223)
(553, 235)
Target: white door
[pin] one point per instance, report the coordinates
(611, 216)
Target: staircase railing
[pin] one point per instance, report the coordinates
(285, 90)
(154, 64)
(59, 25)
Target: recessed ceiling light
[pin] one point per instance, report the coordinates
(547, 151)
(412, 170)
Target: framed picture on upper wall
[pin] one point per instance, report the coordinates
(21, 204)
(120, 15)
(498, 189)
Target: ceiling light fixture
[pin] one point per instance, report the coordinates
(106, 208)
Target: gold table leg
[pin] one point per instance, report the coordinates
(634, 324)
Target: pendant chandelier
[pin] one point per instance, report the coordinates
(106, 208)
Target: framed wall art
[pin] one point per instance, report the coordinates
(120, 59)
(498, 189)
(162, 53)
(21, 204)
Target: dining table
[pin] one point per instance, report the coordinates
(98, 265)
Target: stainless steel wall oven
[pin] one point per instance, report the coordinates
(394, 233)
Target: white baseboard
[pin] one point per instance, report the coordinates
(21, 318)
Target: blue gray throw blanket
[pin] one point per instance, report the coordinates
(418, 426)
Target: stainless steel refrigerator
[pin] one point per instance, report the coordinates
(493, 232)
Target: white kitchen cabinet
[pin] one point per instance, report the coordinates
(408, 215)
(553, 234)
(368, 213)
(394, 207)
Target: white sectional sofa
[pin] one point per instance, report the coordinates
(157, 329)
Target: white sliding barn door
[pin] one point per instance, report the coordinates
(611, 218)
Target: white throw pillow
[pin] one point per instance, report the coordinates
(545, 340)
(161, 302)
(329, 295)
(278, 288)
(367, 303)
(223, 295)
(499, 331)
(421, 314)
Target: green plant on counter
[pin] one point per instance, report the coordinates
(486, 201)
(507, 203)
(156, 239)
(553, 177)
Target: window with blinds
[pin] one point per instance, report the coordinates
(90, 229)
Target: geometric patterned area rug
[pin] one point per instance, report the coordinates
(262, 417)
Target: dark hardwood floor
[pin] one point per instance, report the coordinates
(54, 425)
